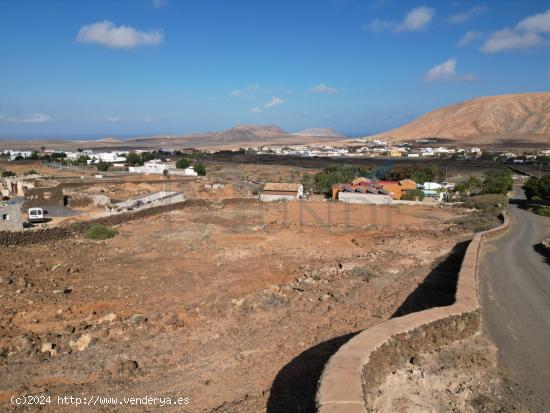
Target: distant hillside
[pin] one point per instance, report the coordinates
(507, 120)
(246, 133)
(323, 132)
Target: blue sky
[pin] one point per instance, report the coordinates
(136, 67)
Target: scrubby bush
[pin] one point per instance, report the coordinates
(542, 210)
(469, 186)
(100, 232)
(5, 174)
(363, 272)
(200, 168)
(414, 195)
(183, 163)
(537, 188)
(497, 181)
(103, 166)
(487, 214)
(492, 202)
(322, 182)
(138, 159)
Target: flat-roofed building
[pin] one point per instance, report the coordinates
(279, 191)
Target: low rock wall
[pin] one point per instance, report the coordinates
(351, 378)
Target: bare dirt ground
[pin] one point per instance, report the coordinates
(236, 308)
(461, 377)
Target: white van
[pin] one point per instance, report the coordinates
(36, 215)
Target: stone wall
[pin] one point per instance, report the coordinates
(43, 197)
(10, 238)
(352, 376)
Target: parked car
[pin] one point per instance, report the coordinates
(36, 215)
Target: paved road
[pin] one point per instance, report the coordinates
(515, 297)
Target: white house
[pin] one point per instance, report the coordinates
(155, 166)
(22, 154)
(106, 157)
(189, 171)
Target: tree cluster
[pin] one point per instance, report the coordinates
(322, 182)
(537, 188)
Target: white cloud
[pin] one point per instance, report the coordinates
(460, 18)
(469, 37)
(148, 119)
(322, 88)
(275, 101)
(122, 37)
(236, 93)
(160, 4)
(113, 119)
(528, 33)
(538, 23)
(255, 110)
(34, 118)
(446, 71)
(415, 20)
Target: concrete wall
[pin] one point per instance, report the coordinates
(148, 201)
(10, 218)
(277, 197)
(353, 374)
(359, 198)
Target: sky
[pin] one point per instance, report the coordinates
(126, 68)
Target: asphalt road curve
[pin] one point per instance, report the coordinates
(515, 300)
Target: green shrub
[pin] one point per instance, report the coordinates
(31, 172)
(414, 195)
(497, 181)
(322, 182)
(200, 169)
(100, 232)
(537, 188)
(542, 210)
(5, 174)
(468, 186)
(183, 163)
(103, 166)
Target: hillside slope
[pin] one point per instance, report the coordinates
(513, 120)
(325, 132)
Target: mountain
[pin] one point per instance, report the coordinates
(505, 120)
(247, 133)
(321, 132)
(236, 137)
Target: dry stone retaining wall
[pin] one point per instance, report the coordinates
(351, 378)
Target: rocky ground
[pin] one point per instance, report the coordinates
(237, 311)
(461, 377)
